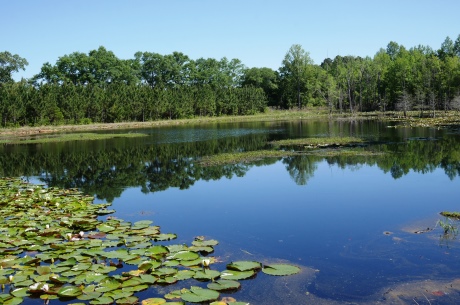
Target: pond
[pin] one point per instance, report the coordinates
(348, 221)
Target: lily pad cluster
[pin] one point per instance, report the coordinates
(53, 245)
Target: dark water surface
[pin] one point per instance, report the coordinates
(327, 215)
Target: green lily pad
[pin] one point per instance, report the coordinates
(224, 285)
(199, 295)
(108, 284)
(136, 288)
(13, 301)
(103, 300)
(41, 270)
(89, 296)
(244, 265)
(153, 301)
(206, 275)
(165, 237)
(184, 274)
(205, 243)
(127, 300)
(69, 292)
(184, 255)
(195, 262)
(148, 278)
(105, 228)
(20, 292)
(236, 275)
(141, 224)
(280, 269)
(118, 294)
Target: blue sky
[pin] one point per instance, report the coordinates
(258, 32)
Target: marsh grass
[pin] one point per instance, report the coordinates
(65, 137)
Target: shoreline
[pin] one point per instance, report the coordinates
(271, 115)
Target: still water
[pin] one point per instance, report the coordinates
(349, 222)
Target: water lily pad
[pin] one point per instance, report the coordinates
(165, 237)
(105, 228)
(206, 275)
(184, 255)
(195, 262)
(89, 296)
(13, 301)
(280, 269)
(148, 279)
(199, 295)
(20, 292)
(184, 274)
(153, 301)
(136, 288)
(141, 224)
(41, 270)
(103, 300)
(108, 284)
(205, 243)
(236, 275)
(244, 265)
(127, 300)
(69, 292)
(224, 285)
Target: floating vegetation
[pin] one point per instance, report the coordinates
(342, 152)
(65, 137)
(328, 147)
(54, 246)
(320, 142)
(455, 215)
(243, 157)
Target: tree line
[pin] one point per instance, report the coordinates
(100, 87)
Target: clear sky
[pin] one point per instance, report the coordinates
(258, 32)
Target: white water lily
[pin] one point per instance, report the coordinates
(11, 278)
(47, 226)
(206, 262)
(68, 236)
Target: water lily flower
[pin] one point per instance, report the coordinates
(11, 278)
(47, 226)
(206, 262)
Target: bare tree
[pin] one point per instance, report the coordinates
(455, 103)
(404, 103)
(432, 101)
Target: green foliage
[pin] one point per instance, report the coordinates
(9, 64)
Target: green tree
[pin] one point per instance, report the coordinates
(9, 64)
(264, 78)
(294, 75)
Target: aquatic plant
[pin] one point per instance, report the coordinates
(448, 227)
(53, 245)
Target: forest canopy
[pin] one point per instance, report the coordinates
(100, 87)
